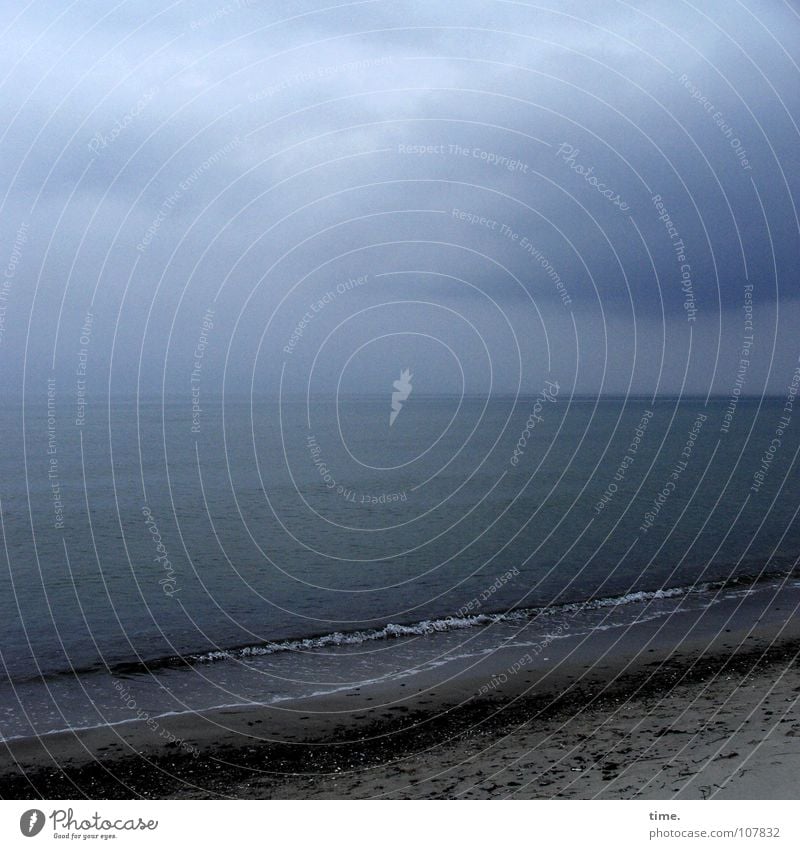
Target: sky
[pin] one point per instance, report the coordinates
(237, 197)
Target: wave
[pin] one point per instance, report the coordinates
(427, 627)
(422, 628)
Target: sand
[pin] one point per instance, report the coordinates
(682, 711)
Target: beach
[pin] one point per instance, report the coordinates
(696, 705)
(401, 401)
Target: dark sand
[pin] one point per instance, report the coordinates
(703, 705)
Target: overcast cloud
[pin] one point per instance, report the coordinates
(489, 169)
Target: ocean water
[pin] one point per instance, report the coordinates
(265, 549)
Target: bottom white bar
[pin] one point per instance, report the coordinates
(398, 825)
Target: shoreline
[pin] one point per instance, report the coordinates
(548, 730)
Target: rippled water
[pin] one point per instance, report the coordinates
(155, 535)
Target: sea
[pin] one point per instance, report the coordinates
(161, 556)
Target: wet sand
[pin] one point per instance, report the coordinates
(703, 705)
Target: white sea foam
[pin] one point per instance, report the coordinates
(432, 626)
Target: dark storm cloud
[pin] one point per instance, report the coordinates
(236, 151)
